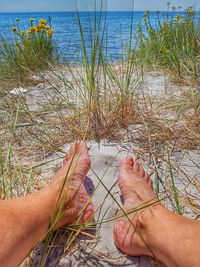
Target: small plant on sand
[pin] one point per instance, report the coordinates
(174, 43)
(106, 92)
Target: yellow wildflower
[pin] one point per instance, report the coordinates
(17, 19)
(50, 32)
(41, 27)
(165, 50)
(43, 21)
(32, 19)
(178, 17)
(191, 11)
(32, 30)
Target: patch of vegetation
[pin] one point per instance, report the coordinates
(29, 50)
(173, 44)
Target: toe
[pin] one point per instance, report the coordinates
(70, 153)
(126, 164)
(141, 171)
(88, 213)
(83, 147)
(82, 151)
(150, 182)
(138, 170)
(147, 177)
(136, 167)
(125, 169)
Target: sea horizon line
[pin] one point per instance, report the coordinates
(89, 11)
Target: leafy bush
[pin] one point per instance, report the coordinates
(31, 49)
(173, 43)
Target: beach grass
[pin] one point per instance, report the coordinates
(173, 44)
(28, 50)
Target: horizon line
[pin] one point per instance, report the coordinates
(47, 11)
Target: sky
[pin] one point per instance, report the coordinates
(85, 5)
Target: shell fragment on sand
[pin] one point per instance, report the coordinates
(18, 91)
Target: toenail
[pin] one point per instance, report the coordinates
(130, 159)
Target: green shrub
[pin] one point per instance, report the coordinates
(29, 50)
(174, 43)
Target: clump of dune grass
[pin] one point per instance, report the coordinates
(174, 43)
(104, 93)
(29, 50)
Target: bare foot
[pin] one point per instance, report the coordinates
(136, 187)
(77, 206)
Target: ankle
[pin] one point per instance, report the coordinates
(159, 227)
(141, 223)
(47, 197)
(148, 215)
(147, 225)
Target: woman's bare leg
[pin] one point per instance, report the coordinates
(155, 231)
(25, 221)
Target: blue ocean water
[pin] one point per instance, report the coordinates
(116, 27)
